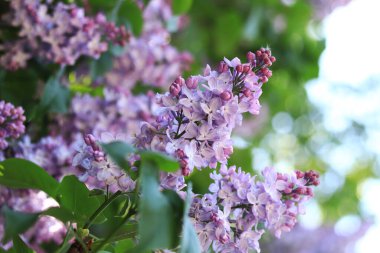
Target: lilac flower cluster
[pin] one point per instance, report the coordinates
(51, 153)
(60, 36)
(97, 169)
(150, 58)
(197, 116)
(118, 111)
(47, 229)
(11, 123)
(233, 216)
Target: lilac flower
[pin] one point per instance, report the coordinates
(61, 36)
(149, 59)
(97, 169)
(229, 216)
(199, 121)
(11, 123)
(46, 229)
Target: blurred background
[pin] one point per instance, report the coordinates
(321, 109)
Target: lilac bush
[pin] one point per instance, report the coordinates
(11, 123)
(61, 36)
(119, 160)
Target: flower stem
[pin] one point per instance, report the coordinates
(101, 209)
(131, 212)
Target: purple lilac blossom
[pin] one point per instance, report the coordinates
(11, 123)
(97, 169)
(228, 218)
(61, 36)
(196, 117)
(150, 58)
(46, 229)
(303, 240)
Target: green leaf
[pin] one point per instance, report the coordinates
(19, 246)
(181, 6)
(65, 246)
(124, 245)
(162, 161)
(100, 66)
(16, 222)
(59, 213)
(119, 151)
(73, 195)
(158, 226)
(189, 241)
(130, 14)
(55, 97)
(23, 174)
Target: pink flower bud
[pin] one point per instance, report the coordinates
(239, 68)
(246, 68)
(226, 95)
(247, 92)
(251, 56)
(180, 153)
(223, 67)
(179, 80)
(192, 83)
(174, 89)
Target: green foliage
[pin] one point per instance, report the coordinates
(55, 97)
(119, 152)
(161, 161)
(123, 246)
(60, 213)
(16, 222)
(189, 240)
(73, 195)
(131, 15)
(19, 246)
(158, 228)
(23, 174)
(181, 6)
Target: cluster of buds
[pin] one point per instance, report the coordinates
(98, 155)
(11, 123)
(182, 158)
(176, 86)
(115, 34)
(263, 60)
(290, 190)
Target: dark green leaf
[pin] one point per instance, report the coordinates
(73, 195)
(55, 97)
(181, 6)
(119, 151)
(123, 246)
(129, 13)
(189, 241)
(100, 66)
(65, 246)
(23, 174)
(162, 161)
(157, 226)
(97, 192)
(60, 213)
(16, 222)
(19, 246)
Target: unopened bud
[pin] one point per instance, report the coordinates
(226, 95)
(251, 56)
(246, 68)
(239, 68)
(223, 67)
(192, 83)
(180, 81)
(174, 89)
